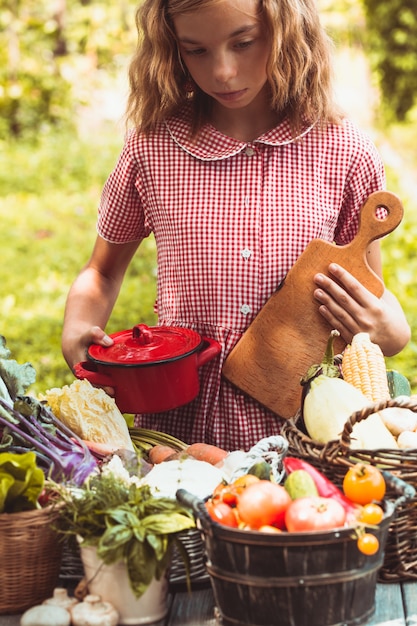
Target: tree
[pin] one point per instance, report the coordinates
(45, 46)
(392, 47)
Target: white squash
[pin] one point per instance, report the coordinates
(328, 405)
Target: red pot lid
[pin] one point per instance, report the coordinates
(144, 345)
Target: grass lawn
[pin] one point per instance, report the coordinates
(48, 199)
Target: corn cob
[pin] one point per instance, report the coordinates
(363, 366)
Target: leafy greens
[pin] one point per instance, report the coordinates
(14, 378)
(27, 424)
(21, 482)
(125, 522)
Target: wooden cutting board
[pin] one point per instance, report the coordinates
(289, 334)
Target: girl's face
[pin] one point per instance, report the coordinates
(225, 50)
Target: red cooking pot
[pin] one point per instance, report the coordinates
(151, 369)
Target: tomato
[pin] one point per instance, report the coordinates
(371, 514)
(314, 513)
(364, 483)
(225, 493)
(368, 544)
(244, 481)
(269, 529)
(222, 513)
(229, 492)
(263, 504)
(44, 498)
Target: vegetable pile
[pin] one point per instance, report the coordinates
(339, 386)
(306, 501)
(61, 438)
(28, 425)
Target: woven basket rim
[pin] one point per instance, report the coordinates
(46, 510)
(340, 448)
(29, 517)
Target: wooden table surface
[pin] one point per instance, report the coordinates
(395, 605)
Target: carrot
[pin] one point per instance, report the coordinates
(160, 453)
(206, 452)
(100, 449)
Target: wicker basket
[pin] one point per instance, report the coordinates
(197, 572)
(72, 570)
(335, 457)
(30, 557)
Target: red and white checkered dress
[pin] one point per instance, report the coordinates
(229, 219)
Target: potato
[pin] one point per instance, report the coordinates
(407, 439)
(398, 420)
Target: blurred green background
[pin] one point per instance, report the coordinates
(63, 85)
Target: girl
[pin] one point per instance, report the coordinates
(237, 159)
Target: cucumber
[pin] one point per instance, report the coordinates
(398, 384)
(300, 484)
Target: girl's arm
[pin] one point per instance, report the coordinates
(350, 308)
(92, 297)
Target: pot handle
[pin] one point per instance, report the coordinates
(210, 349)
(86, 370)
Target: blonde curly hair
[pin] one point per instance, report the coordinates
(299, 66)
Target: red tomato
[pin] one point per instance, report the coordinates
(229, 492)
(263, 504)
(222, 513)
(314, 513)
(364, 483)
(225, 493)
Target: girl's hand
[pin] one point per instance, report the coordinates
(99, 337)
(95, 335)
(78, 343)
(350, 308)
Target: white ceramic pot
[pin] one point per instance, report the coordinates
(111, 582)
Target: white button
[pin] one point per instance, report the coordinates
(245, 309)
(250, 151)
(246, 253)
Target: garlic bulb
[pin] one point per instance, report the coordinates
(45, 615)
(94, 612)
(61, 598)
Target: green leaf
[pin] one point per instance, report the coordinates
(166, 523)
(159, 544)
(21, 482)
(115, 536)
(16, 378)
(141, 566)
(123, 515)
